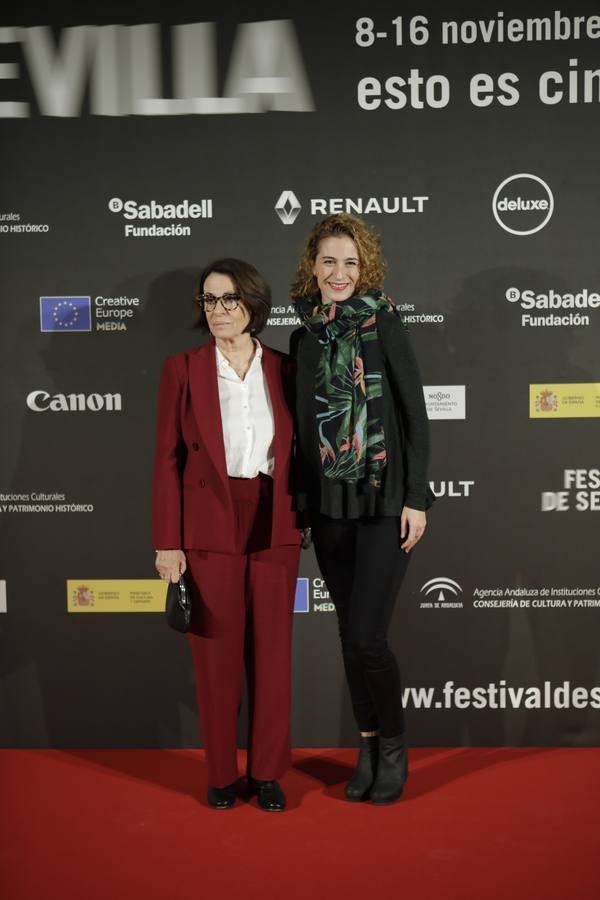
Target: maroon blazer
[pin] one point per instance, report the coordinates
(192, 506)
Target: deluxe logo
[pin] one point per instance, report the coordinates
(445, 401)
(441, 587)
(185, 209)
(523, 204)
(42, 401)
(288, 206)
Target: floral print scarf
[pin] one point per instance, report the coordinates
(349, 385)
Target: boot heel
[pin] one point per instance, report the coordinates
(392, 770)
(360, 784)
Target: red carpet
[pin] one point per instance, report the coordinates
(473, 823)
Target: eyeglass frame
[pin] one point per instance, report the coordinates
(204, 299)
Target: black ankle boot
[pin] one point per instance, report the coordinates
(392, 770)
(366, 768)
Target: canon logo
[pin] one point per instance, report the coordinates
(42, 401)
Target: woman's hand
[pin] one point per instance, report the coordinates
(412, 525)
(305, 537)
(170, 564)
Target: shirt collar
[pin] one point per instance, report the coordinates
(223, 364)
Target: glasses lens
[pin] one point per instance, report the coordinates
(228, 301)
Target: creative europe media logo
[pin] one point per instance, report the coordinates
(68, 313)
(320, 596)
(302, 598)
(65, 313)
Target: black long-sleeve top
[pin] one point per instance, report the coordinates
(406, 428)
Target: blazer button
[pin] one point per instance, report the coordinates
(202, 483)
(195, 446)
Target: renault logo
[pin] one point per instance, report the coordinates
(288, 207)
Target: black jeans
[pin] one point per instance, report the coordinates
(363, 567)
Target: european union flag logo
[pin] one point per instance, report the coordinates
(301, 599)
(65, 314)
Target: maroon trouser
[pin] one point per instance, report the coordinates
(243, 609)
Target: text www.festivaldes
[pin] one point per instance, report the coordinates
(500, 695)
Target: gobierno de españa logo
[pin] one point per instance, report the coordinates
(523, 204)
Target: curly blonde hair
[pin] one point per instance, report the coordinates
(372, 265)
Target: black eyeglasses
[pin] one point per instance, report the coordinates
(229, 302)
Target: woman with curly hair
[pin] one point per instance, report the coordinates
(361, 455)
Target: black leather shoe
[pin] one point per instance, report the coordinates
(392, 770)
(359, 786)
(221, 798)
(268, 794)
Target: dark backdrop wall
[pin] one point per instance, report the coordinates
(137, 145)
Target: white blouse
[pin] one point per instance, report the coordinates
(247, 418)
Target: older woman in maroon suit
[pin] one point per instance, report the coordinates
(222, 513)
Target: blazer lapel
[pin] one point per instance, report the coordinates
(205, 404)
(281, 415)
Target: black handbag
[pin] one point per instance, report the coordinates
(179, 606)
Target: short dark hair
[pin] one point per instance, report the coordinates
(256, 293)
